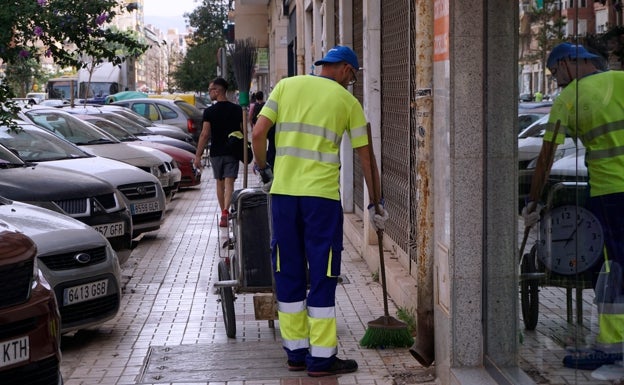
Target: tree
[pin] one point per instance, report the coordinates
(198, 68)
(65, 30)
(610, 43)
(210, 21)
(544, 25)
(21, 74)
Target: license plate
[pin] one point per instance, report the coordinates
(14, 351)
(86, 292)
(142, 208)
(110, 230)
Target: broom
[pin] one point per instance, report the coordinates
(243, 61)
(385, 331)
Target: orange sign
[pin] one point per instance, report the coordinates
(440, 30)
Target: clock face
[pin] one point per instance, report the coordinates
(570, 240)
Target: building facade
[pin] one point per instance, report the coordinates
(439, 84)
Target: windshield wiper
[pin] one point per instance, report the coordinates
(100, 140)
(12, 165)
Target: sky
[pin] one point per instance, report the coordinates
(166, 14)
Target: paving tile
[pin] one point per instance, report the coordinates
(169, 303)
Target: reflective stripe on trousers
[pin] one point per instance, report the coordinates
(306, 248)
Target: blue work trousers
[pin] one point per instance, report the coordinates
(306, 250)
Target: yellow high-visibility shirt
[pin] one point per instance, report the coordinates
(591, 109)
(311, 114)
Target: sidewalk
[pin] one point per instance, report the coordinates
(170, 329)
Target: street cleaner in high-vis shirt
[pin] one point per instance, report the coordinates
(591, 109)
(311, 114)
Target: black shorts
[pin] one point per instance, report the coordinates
(225, 166)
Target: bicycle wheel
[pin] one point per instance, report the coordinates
(529, 290)
(227, 301)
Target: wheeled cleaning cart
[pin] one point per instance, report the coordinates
(245, 258)
(567, 253)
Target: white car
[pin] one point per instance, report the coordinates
(77, 261)
(570, 168)
(94, 141)
(530, 143)
(529, 146)
(141, 191)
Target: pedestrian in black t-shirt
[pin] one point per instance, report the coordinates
(220, 119)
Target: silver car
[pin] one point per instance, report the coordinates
(167, 111)
(94, 141)
(77, 261)
(147, 126)
(141, 191)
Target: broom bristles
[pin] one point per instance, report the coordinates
(387, 332)
(243, 61)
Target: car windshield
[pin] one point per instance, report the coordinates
(36, 145)
(536, 129)
(189, 109)
(140, 119)
(9, 159)
(69, 127)
(525, 120)
(126, 124)
(111, 128)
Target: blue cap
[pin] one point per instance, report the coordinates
(568, 51)
(339, 54)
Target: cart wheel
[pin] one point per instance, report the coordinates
(529, 291)
(227, 301)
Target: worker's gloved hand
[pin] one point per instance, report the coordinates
(531, 213)
(266, 176)
(378, 220)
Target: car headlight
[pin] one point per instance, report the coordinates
(558, 154)
(155, 170)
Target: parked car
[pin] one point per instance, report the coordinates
(175, 112)
(529, 113)
(96, 142)
(141, 191)
(175, 175)
(529, 146)
(77, 261)
(570, 168)
(38, 96)
(81, 196)
(183, 160)
(137, 130)
(154, 127)
(29, 315)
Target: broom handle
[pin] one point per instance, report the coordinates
(536, 191)
(382, 266)
(245, 141)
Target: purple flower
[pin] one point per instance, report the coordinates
(38, 31)
(42, 2)
(101, 19)
(48, 53)
(24, 54)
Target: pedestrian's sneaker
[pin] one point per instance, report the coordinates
(296, 366)
(224, 218)
(337, 367)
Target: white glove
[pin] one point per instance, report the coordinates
(532, 217)
(378, 220)
(266, 177)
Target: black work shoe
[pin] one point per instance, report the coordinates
(296, 366)
(338, 367)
